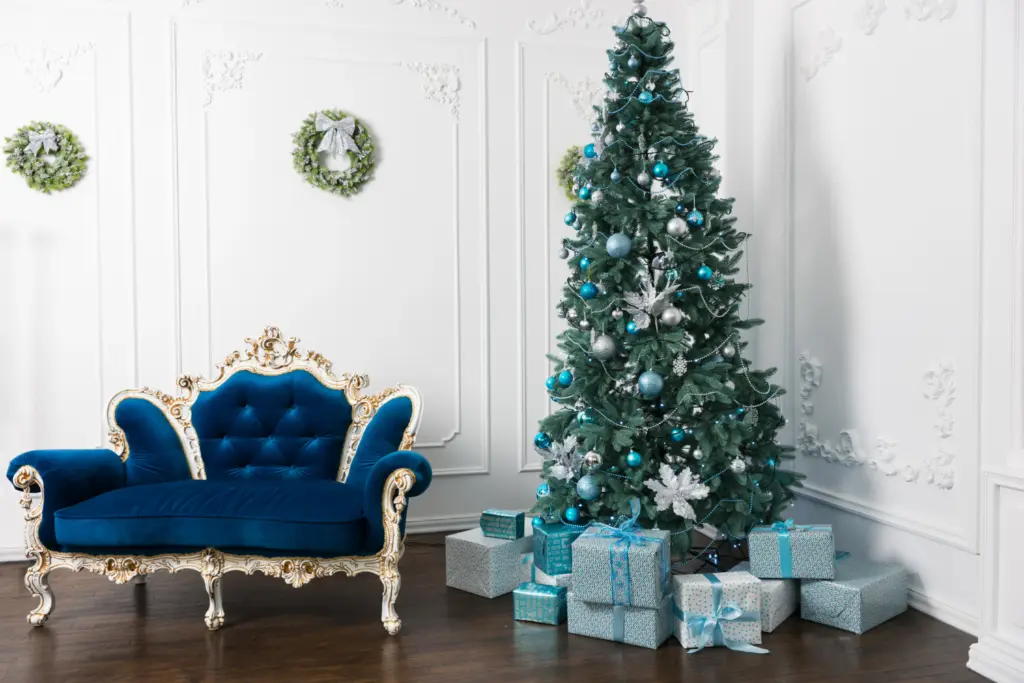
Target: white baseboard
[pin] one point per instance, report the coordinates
(12, 554)
(944, 612)
(996, 661)
(424, 525)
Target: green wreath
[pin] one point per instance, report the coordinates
(335, 132)
(28, 151)
(567, 171)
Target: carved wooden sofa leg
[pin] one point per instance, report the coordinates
(213, 571)
(392, 581)
(38, 583)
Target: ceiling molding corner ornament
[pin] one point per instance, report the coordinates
(441, 83)
(583, 17)
(922, 10)
(43, 64)
(586, 93)
(224, 70)
(936, 470)
(333, 4)
(869, 15)
(436, 6)
(826, 44)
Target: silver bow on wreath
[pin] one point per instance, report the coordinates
(47, 140)
(337, 135)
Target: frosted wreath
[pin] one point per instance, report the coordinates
(47, 155)
(335, 132)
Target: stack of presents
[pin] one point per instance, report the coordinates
(616, 583)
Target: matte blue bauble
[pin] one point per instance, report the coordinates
(650, 384)
(588, 290)
(572, 515)
(616, 176)
(619, 245)
(678, 435)
(590, 151)
(633, 63)
(587, 487)
(585, 192)
(631, 327)
(542, 441)
(634, 459)
(645, 97)
(660, 169)
(551, 383)
(570, 218)
(704, 273)
(537, 522)
(543, 490)
(585, 417)
(565, 378)
(695, 219)
(584, 263)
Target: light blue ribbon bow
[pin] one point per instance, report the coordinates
(707, 629)
(47, 140)
(782, 530)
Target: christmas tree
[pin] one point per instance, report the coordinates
(656, 400)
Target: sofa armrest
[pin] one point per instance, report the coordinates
(373, 491)
(66, 478)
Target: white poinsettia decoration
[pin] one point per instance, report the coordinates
(675, 490)
(565, 459)
(648, 302)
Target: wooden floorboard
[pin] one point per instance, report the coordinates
(330, 631)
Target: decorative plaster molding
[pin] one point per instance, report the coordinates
(869, 14)
(440, 83)
(435, 6)
(585, 17)
(923, 10)
(187, 3)
(586, 94)
(333, 4)
(224, 70)
(937, 470)
(826, 44)
(44, 65)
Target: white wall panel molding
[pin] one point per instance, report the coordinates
(440, 83)
(224, 70)
(582, 16)
(44, 64)
(586, 93)
(923, 10)
(444, 8)
(827, 44)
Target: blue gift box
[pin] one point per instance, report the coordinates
(862, 596)
(791, 551)
(552, 547)
(540, 603)
(506, 524)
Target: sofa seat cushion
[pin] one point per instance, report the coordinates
(301, 517)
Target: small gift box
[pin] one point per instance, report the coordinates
(540, 603)
(718, 609)
(631, 625)
(862, 596)
(552, 547)
(487, 567)
(778, 599)
(506, 524)
(790, 551)
(621, 566)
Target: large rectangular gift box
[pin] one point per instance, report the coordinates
(735, 597)
(631, 625)
(506, 524)
(530, 574)
(862, 596)
(621, 569)
(788, 551)
(552, 547)
(488, 567)
(778, 599)
(540, 603)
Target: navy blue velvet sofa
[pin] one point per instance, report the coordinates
(275, 466)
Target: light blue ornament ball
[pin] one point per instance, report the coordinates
(542, 441)
(585, 192)
(572, 515)
(704, 273)
(695, 219)
(587, 487)
(619, 245)
(634, 459)
(551, 383)
(565, 378)
(650, 384)
(590, 151)
(537, 522)
(631, 327)
(678, 435)
(645, 97)
(633, 62)
(570, 218)
(585, 417)
(660, 170)
(616, 176)
(543, 490)
(588, 290)
(584, 263)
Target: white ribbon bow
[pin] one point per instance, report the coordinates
(337, 135)
(46, 140)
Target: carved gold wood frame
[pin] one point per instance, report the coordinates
(269, 354)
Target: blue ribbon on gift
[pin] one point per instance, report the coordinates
(782, 530)
(706, 629)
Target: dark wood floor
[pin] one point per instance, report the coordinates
(330, 631)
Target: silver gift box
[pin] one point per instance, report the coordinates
(484, 566)
(862, 596)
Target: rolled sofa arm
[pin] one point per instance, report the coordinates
(373, 491)
(68, 477)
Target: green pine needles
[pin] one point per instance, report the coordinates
(656, 400)
(47, 155)
(306, 154)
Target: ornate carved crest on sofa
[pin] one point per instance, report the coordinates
(276, 466)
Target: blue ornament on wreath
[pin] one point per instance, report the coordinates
(631, 327)
(634, 459)
(660, 170)
(572, 515)
(645, 97)
(650, 384)
(585, 192)
(551, 383)
(537, 522)
(584, 263)
(678, 435)
(704, 273)
(570, 218)
(619, 245)
(588, 290)
(587, 487)
(695, 219)
(543, 490)
(542, 441)
(590, 151)
(565, 378)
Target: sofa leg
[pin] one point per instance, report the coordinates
(38, 584)
(215, 613)
(140, 579)
(392, 581)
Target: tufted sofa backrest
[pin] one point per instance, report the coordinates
(271, 427)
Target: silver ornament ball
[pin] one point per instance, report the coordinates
(698, 454)
(620, 127)
(644, 179)
(585, 325)
(603, 347)
(677, 227)
(572, 315)
(729, 350)
(609, 139)
(671, 316)
(592, 459)
(563, 253)
(617, 314)
(597, 196)
(640, 11)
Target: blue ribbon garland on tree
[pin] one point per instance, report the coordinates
(707, 629)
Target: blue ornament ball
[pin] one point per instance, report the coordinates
(631, 327)
(572, 515)
(551, 383)
(633, 63)
(585, 192)
(588, 290)
(587, 487)
(681, 209)
(537, 522)
(645, 97)
(616, 176)
(570, 218)
(704, 273)
(565, 378)
(584, 263)
(678, 435)
(695, 219)
(650, 384)
(542, 441)
(634, 459)
(590, 151)
(543, 490)
(660, 170)
(619, 245)
(585, 417)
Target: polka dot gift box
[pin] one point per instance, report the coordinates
(786, 550)
(713, 610)
(779, 599)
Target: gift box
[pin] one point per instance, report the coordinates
(778, 599)
(506, 524)
(540, 603)
(789, 551)
(718, 609)
(552, 547)
(621, 567)
(484, 566)
(631, 625)
(862, 596)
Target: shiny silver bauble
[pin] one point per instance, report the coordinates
(620, 127)
(677, 227)
(603, 348)
(671, 316)
(644, 179)
(592, 459)
(698, 454)
(729, 350)
(572, 315)
(617, 314)
(563, 253)
(585, 325)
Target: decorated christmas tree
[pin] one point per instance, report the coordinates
(657, 402)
